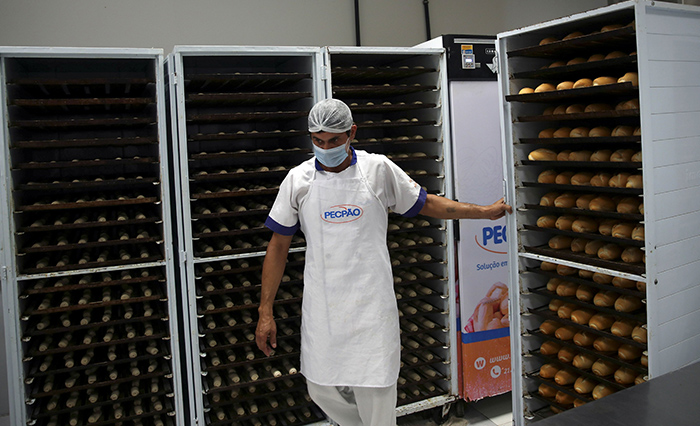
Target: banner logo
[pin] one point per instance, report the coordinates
(490, 236)
(342, 213)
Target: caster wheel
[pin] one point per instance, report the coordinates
(441, 414)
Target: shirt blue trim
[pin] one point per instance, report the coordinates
(418, 206)
(281, 229)
(480, 336)
(352, 163)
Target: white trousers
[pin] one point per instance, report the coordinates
(356, 406)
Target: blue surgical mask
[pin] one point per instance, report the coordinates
(331, 157)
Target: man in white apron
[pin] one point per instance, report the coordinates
(350, 343)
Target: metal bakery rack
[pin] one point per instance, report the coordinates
(88, 278)
(598, 172)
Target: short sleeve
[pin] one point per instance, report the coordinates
(284, 214)
(403, 194)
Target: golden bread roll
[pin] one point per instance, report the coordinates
(615, 54)
(548, 40)
(555, 409)
(545, 87)
(546, 133)
(548, 266)
(584, 361)
(632, 104)
(603, 367)
(553, 283)
(565, 85)
(542, 154)
(548, 111)
(582, 316)
(575, 61)
(632, 255)
(566, 332)
(578, 245)
(623, 282)
(565, 201)
(605, 227)
(526, 90)
(546, 391)
(598, 107)
(584, 338)
(619, 180)
(547, 176)
(593, 247)
(605, 344)
(562, 132)
(622, 230)
(628, 352)
(575, 34)
(637, 157)
(565, 377)
(642, 286)
(596, 57)
(556, 64)
(601, 155)
(582, 155)
(566, 270)
(585, 385)
(547, 199)
(637, 381)
(623, 327)
(548, 371)
(629, 205)
(560, 242)
(611, 27)
(625, 375)
(605, 298)
(602, 390)
(560, 109)
(583, 201)
(641, 208)
(584, 273)
(622, 131)
(637, 131)
(579, 132)
(622, 155)
(566, 289)
(555, 304)
(631, 77)
(546, 221)
(601, 179)
(602, 203)
(585, 224)
(599, 132)
(610, 252)
(563, 398)
(638, 233)
(602, 278)
(635, 181)
(548, 327)
(644, 360)
(583, 82)
(585, 293)
(582, 178)
(549, 348)
(565, 310)
(566, 354)
(564, 155)
(601, 321)
(563, 178)
(604, 80)
(574, 109)
(627, 303)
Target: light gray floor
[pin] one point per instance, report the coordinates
(493, 411)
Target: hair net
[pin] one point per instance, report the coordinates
(330, 115)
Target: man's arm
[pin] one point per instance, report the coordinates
(444, 208)
(273, 269)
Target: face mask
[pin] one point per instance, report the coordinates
(331, 157)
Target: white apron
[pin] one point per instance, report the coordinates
(350, 325)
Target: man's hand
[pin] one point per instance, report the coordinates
(498, 209)
(265, 332)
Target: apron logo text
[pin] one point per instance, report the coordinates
(342, 213)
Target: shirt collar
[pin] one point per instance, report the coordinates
(352, 163)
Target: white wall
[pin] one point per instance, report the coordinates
(165, 23)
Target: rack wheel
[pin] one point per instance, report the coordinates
(440, 414)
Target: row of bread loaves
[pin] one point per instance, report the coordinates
(593, 202)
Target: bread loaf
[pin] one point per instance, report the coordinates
(601, 155)
(642, 286)
(564, 398)
(565, 85)
(625, 375)
(546, 391)
(634, 181)
(564, 178)
(556, 64)
(579, 132)
(582, 316)
(555, 304)
(622, 230)
(600, 131)
(605, 227)
(548, 266)
(548, 371)
(564, 155)
(560, 242)
(545, 87)
(637, 157)
(605, 344)
(632, 255)
(596, 57)
(593, 247)
(602, 203)
(584, 385)
(622, 131)
(603, 367)
(549, 347)
(566, 354)
(575, 61)
(615, 54)
(601, 321)
(610, 252)
(585, 293)
(605, 298)
(628, 352)
(583, 82)
(546, 133)
(560, 109)
(542, 154)
(578, 245)
(548, 40)
(565, 377)
(584, 224)
(631, 104)
(622, 154)
(584, 338)
(574, 109)
(598, 107)
(637, 131)
(629, 205)
(602, 390)
(583, 201)
(623, 283)
(611, 27)
(638, 233)
(565, 310)
(566, 289)
(631, 77)
(566, 332)
(602, 81)
(548, 327)
(584, 361)
(553, 283)
(562, 132)
(548, 110)
(627, 303)
(585, 273)
(602, 278)
(566, 270)
(644, 360)
(575, 34)
(641, 208)
(581, 178)
(547, 176)
(546, 221)
(637, 381)
(623, 327)
(565, 201)
(619, 180)
(547, 199)
(601, 179)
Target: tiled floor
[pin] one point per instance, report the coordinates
(494, 411)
